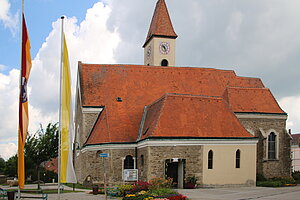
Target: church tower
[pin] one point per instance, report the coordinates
(159, 47)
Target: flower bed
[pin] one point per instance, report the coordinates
(156, 189)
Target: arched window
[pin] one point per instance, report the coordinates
(272, 146)
(128, 162)
(142, 160)
(238, 159)
(210, 159)
(164, 62)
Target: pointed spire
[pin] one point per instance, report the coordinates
(161, 24)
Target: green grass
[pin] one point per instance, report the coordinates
(77, 186)
(55, 191)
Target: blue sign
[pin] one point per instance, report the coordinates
(104, 155)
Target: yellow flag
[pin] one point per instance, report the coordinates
(67, 174)
(23, 102)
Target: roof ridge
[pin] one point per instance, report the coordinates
(247, 88)
(168, 68)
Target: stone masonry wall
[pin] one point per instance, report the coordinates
(143, 167)
(93, 165)
(156, 157)
(84, 123)
(271, 168)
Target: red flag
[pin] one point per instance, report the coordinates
(23, 102)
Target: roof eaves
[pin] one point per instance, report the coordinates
(199, 138)
(262, 113)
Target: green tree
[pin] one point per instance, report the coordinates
(40, 147)
(2, 166)
(11, 166)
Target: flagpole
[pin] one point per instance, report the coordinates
(20, 88)
(60, 105)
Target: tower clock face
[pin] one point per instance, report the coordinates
(164, 47)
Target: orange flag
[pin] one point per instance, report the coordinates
(23, 102)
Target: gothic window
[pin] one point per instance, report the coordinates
(238, 159)
(272, 146)
(164, 62)
(210, 159)
(142, 160)
(128, 162)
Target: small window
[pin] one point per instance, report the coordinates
(128, 162)
(119, 99)
(142, 160)
(210, 159)
(272, 146)
(238, 159)
(164, 62)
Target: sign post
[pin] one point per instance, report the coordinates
(104, 155)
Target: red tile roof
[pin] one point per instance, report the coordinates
(295, 140)
(52, 165)
(250, 100)
(177, 115)
(161, 24)
(140, 85)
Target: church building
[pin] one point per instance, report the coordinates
(166, 121)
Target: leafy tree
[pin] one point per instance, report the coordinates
(11, 166)
(2, 165)
(40, 147)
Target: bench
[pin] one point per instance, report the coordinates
(3, 194)
(32, 194)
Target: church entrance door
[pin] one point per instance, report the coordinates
(174, 168)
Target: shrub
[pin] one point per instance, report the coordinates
(191, 179)
(139, 186)
(160, 183)
(296, 176)
(284, 180)
(260, 177)
(269, 184)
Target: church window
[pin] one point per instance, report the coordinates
(164, 62)
(272, 146)
(142, 160)
(238, 159)
(210, 159)
(129, 162)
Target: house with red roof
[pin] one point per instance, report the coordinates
(166, 121)
(295, 150)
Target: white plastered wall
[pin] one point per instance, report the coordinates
(224, 171)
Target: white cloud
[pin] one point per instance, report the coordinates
(8, 150)
(291, 105)
(10, 21)
(2, 67)
(90, 41)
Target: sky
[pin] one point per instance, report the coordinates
(256, 38)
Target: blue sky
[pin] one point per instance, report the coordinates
(255, 38)
(40, 14)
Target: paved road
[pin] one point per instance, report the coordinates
(244, 193)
